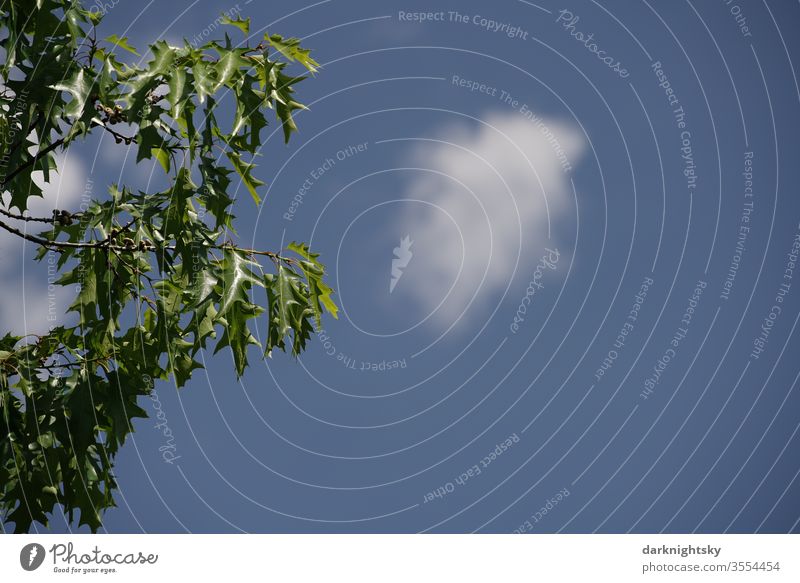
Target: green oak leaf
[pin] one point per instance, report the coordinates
(245, 172)
(121, 42)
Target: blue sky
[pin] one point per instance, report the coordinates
(560, 350)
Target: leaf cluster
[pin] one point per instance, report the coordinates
(157, 275)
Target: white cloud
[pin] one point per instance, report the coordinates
(32, 304)
(493, 188)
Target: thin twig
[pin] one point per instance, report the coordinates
(38, 156)
(106, 244)
(26, 218)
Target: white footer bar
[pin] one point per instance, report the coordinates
(401, 558)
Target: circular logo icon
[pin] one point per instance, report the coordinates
(31, 556)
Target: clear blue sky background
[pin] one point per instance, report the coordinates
(581, 159)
